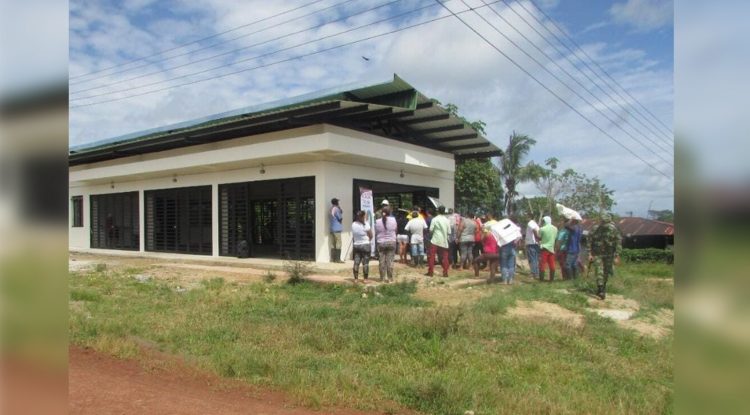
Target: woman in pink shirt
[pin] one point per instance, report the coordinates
(385, 238)
(489, 254)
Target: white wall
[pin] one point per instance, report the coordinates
(339, 179)
(334, 156)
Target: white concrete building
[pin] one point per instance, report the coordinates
(266, 175)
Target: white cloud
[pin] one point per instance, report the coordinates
(643, 15)
(444, 60)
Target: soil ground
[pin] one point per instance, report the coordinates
(100, 384)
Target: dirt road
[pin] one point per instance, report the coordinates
(100, 384)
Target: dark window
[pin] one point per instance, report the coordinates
(179, 220)
(115, 221)
(76, 208)
(275, 217)
(399, 196)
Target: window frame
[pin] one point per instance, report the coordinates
(76, 209)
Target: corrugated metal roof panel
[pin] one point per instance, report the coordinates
(357, 106)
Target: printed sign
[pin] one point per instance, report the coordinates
(368, 205)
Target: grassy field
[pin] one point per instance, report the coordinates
(327, 345)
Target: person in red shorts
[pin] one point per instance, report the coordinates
(548, 234)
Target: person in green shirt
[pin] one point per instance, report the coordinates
(440, 228)
(548, 234)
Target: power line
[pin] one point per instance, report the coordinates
(197, 40)
(567, 57)
(668, 130)
(548, 89)
(658, 144)
(190, 52)
(233, 51)
(294, 57)
(563, 83)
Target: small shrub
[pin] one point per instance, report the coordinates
(269, 277)
(297, 271)
(648, 255)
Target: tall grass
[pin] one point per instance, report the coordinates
(327, 345)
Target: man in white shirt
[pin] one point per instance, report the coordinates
(416, 227)
(532, 247)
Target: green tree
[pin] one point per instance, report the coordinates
(527, 208)
(513, 171)
(478, 125)
(477, 181)
(477, 186)
(588, 195)
(550, 183)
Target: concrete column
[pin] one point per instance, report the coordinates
(215, 219)
(141, 221)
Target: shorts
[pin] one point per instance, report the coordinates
(402, 239)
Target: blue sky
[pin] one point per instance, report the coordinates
(631, 39)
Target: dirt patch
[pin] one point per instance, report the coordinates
(443, 295)
(621, 310)
(100, 384)
(614, 302)
(75, 265)
(656, 326)
(542, 311)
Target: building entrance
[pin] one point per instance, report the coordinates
(274, 218)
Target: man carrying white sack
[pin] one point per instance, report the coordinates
(574, 239)
(506, 234)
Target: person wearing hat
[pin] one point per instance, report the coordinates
(606, 245)
(379, 213)
(334, 241)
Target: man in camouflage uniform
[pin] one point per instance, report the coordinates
(606, 245)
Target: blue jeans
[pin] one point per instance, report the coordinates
(507, 262)
(571, 264)
(417, 250)
(532, 252)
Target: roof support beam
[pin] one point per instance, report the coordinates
(371, 116)
(441, 129)
(455, 138)
(468, 146)
(470, 156)
(427, 119)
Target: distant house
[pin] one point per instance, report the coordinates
(263, 176)
(640, 233)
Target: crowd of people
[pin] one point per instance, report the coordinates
(458, 240)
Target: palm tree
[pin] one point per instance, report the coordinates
(513, 171)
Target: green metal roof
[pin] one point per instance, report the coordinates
(393, 109)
